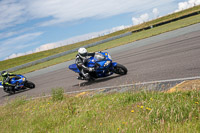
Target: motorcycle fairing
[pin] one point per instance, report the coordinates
(114, 64)
(104, 65)
(19, 78)
(74, 68)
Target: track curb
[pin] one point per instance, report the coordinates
(160, 85)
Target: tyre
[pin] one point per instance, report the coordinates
(11, 92)
(9, 89)
(120, 69)
(30, 85)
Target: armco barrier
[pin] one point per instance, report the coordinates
(166, 22)
(65, 53)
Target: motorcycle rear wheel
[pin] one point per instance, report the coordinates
(30, 85)
(9, 89)
(120, 69)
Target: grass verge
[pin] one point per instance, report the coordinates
(125, 112)
(134, 37)
(32, 57)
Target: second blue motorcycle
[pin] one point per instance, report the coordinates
(17, 83)
(103, 65)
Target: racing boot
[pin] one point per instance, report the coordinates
(88, 77)
(17, 87)
(80, 78)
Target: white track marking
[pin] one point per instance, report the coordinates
(120, 86)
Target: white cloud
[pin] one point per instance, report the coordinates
(143, 18)
(187, 4)
(46, 47)
(14, 55)
(20, 42)
(7, 34)
(65, 11)
(14, 32)
(20, 39)
(181, 6)
(13, 12)
(155, 13)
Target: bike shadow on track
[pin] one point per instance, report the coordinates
(17, 92)
(87, 83)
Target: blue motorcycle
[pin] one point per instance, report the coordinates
(18, 83)
(103, 66)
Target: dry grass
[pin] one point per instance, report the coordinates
(186, 85)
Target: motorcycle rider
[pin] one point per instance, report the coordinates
(6, 78)
(81, 60)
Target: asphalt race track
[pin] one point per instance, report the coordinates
(170, 55)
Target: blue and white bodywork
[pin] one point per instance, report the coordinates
(103, 65)
(17, 83)
(1, 86)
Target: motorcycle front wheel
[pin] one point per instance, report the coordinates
(120, 69)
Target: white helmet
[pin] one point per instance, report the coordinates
(82, 52)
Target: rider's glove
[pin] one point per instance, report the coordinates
(91, 69)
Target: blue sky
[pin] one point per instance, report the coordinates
(28, 26)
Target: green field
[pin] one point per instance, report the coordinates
(128, 112)
(181, 23)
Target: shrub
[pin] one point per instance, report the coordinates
(57, 94)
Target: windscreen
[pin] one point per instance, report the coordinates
(99, 56)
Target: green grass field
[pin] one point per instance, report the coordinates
(128, 112)
(28, 58)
